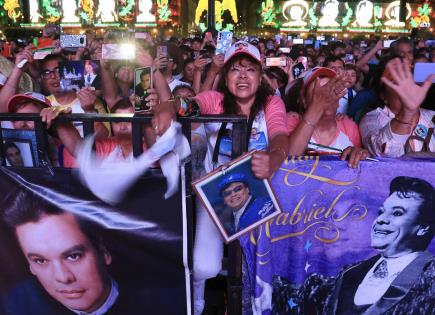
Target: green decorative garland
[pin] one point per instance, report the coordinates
(378, 17)
(346, 19)
(127, 9)
(163, 10)
(51, 11)
(268, 13)
(312, 16)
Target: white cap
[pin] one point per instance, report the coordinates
(242, 48)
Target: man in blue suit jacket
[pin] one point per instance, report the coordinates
(245, 208)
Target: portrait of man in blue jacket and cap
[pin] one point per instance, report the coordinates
(245, 208)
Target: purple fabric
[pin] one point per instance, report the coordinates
(328, 210)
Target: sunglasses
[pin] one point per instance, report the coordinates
(236, 189)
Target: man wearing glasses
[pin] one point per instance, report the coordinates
(245, 208)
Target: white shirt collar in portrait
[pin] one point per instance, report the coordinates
(237, 214)
(89, 78)
(371, 289)
(111, 299)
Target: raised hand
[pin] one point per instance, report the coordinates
(87, 98)
(399, 78)
(324, 96)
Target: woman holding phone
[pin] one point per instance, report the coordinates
(241, 91)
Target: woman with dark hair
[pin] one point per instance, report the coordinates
(188, 71)
(315, 125)
(241, 91)
(277, 79)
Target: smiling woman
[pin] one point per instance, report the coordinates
(241, 91)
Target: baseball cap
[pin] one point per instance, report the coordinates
(231, 178)
(317, 72)
(242, 48)
(3, 79)
(34, 97)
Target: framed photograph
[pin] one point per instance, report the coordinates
(235, 199)
(19, 148)
(74, 75)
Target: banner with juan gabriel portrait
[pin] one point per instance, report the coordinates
(63, 251)
(324, 254)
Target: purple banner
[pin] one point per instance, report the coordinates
(338, 220)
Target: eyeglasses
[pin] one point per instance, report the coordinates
(48, 73)
(236, 189)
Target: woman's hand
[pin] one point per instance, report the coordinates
(329, 94)
(87, 98)
(49, 114)
(354, 156)
(200, 63)
(153, 98)
(164, 114)
(260, 165)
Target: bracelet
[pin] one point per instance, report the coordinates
(308, 123)
(280, 150)
(402, 122)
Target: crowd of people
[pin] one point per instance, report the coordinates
(352, 98)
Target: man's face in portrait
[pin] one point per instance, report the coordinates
(395, 229)
(13, 155)
(145, 81)
(235, 195)
(65, 262)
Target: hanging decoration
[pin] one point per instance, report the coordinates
(126, 10)
(69, 12)
(392, 14)
(13, 9)
(52, 12)
(87, 12)
(330, 11)
(312, 16)
(378, 17)
(107, 12)
(268, 13)
(421, 16)
(349, 13)
(163, 10)
(34, 14)
(295, 13)
(145, 16)
(364, 14)
(220, 8)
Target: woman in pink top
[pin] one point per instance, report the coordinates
(241, 91)
(316, 126)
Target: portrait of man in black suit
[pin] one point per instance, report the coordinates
(67, 258)
(400, 278)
